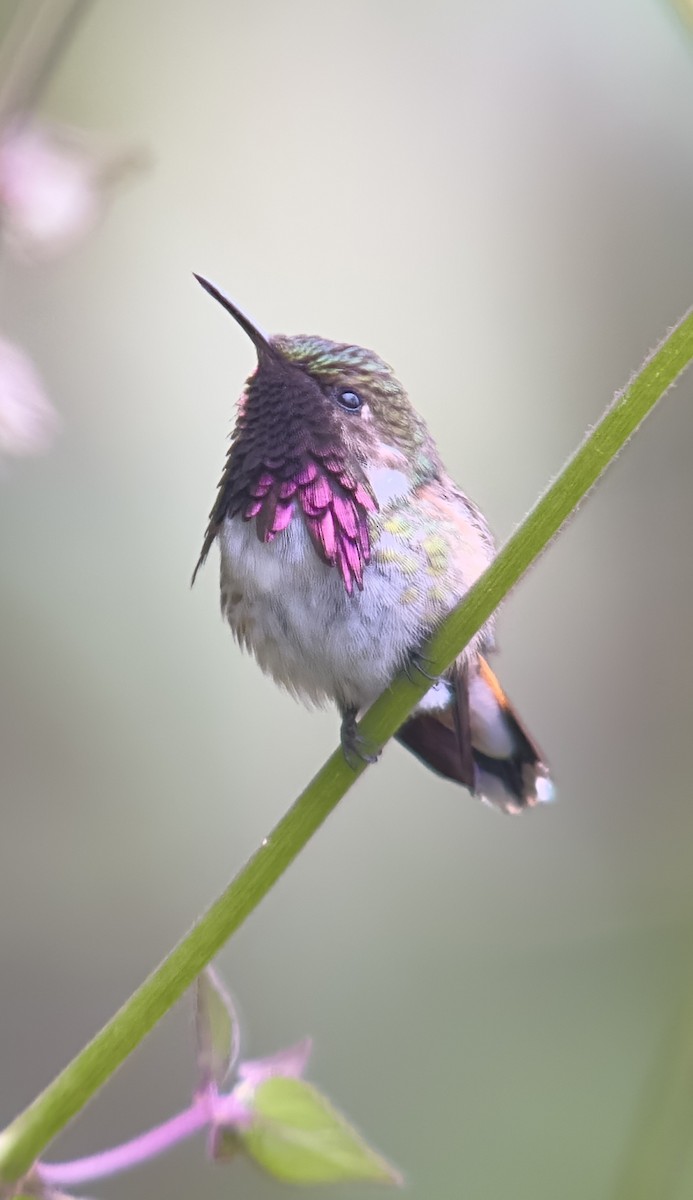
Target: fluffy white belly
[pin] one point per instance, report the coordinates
(293, 613)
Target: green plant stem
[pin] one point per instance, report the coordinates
(27, 1136)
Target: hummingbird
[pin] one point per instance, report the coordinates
(344, 543)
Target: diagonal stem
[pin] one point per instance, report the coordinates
(130, 1154)
(25, 1138)
(30, 50)
(207, 1109)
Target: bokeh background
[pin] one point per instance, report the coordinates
(498, 199)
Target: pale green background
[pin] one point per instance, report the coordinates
(498, 198)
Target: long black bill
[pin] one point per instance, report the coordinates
(258, 337)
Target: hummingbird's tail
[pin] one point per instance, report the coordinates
(466, 730)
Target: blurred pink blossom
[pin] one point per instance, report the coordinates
(54, 185)
(28, 421)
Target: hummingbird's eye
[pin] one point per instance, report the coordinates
(349, 400)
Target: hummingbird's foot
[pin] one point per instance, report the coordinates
(356, 748)
(417, 662)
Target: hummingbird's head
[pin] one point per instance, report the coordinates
(323, 428)
(307, 389)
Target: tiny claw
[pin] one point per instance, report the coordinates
(355, 747)
(418, 662)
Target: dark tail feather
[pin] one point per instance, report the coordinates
(478, 741)
(435, 744)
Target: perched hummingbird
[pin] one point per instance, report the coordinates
(344, 542)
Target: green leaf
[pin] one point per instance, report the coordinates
(217, 1029)
(297, 1136)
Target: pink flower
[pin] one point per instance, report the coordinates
(28, 421)
(54, 186)
(290, 1063)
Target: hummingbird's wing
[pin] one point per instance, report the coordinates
(443, 739)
